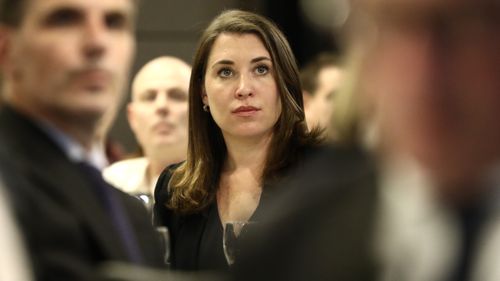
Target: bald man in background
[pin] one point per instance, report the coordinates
(158, 116)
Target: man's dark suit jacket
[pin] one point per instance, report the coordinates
(67, 230)
(320, 227)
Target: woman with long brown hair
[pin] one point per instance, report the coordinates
(246, 130)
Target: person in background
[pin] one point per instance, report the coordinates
(64, 65)
(158, 117)
(247, 129)
(321, 78)
(423, 204)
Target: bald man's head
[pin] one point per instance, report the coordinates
(158, 111)
(163, 71)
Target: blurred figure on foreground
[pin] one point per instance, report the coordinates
(64, 65)
(14, 262)
(14, 265)
(321, 79)
(423, 205)
(247, 129)
(158, 117)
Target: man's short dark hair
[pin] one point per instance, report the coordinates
(11, 12)
(309, 74)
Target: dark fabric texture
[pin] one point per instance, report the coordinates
(190, 235)
(196, 239)
(68, 231)
(320, 227)
(471, 219)
(116, 212)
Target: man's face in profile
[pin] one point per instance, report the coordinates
(432, 72)
(70, 58)
(329, 80)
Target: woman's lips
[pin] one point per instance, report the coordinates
(245, 110)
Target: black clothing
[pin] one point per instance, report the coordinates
(320, 227)
(196, 239)
(67, 230)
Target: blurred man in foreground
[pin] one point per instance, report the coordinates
(64, 64)
(424, 205)
(157, 115)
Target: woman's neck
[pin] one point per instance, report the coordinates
(246, 153)
(240, 184)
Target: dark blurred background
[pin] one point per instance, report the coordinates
(172, 27)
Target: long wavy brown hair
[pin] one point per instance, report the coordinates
(194, 183)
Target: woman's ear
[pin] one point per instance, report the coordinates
(204, 96)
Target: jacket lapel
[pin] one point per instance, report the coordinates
(47, 167)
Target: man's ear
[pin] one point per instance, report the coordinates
(130, 116)
(6, 49)
(5, 41)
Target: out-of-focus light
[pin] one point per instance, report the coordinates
(326, 13)
(144, 198)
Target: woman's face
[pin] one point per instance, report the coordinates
(240, 87)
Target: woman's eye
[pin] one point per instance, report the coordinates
(262, 69)
(225, 72)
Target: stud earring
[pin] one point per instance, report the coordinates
(206, 108)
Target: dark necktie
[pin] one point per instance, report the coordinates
(115, 209)
(470, 222)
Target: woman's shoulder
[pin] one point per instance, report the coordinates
(162, 195)
(305, 152)
(166, 174)
(312, 149)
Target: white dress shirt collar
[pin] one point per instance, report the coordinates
(75, 151)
